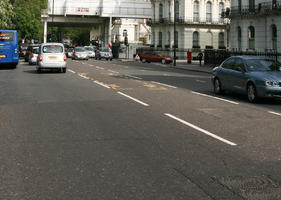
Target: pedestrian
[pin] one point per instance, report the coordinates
(200, 56)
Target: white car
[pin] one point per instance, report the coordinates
(33, 56)
(91, 51)
(51, 56)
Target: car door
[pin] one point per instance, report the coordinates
(225, 73)
(238, 77)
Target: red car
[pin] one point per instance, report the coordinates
(153, 57)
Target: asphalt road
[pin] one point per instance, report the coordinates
(125, 130)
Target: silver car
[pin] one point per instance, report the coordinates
(51, 56)
(33, 56)
(80, 53)
(91, 51)
(70, 52)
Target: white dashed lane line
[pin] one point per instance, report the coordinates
(71, 71)
(201, 130)
(113, 71)
(199, 81)
(134, 99)
(99, 67)
(134, 77)
(85, 77)
(274, 113)
(101, 84)
(205, 95)
(164, 84)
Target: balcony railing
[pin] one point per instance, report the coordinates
(189, 21)
(258, 9)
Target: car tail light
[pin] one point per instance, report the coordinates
(64, 58)
(32, 55)
(41, 58)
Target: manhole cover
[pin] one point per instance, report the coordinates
(253, 188)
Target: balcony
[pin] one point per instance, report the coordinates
(258, 9)
(188, 21)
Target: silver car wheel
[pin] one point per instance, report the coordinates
(252, 96)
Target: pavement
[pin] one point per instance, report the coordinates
(182, 64)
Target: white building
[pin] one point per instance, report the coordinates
(255, 25)
(198, 24)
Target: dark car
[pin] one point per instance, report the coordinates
(153, 57)
(251, 75)
(22, 49)
(29, 51)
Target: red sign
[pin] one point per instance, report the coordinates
(83, 10)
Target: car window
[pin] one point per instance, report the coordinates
(89, 48)
(239, 63)
(228, 64)
(52, 49)
(263, 65)
(79, 49)
(35, 50)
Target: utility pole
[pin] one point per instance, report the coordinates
(175, 62)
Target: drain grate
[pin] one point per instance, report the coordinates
(253, 188)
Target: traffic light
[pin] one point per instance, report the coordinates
(49, 36)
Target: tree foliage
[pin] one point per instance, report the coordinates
(6, 15)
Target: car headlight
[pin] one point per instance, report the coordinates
(272, 83)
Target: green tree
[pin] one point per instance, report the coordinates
(6, 15)
(28, 18)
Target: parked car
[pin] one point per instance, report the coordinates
(33, 56)
(80, 53)
(29, 51)
(51, 56)
(70, 52)
(104, 53)
(257, 77)
(153, 57)
(91, 51)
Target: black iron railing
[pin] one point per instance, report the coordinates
(257, 9)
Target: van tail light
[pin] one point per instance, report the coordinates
(32, 55)
(64, 58)
(41, 58)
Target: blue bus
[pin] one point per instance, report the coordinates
(9, 54)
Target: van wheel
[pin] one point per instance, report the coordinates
(38, 70)
(63, 70)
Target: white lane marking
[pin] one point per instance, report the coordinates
(99, 67)
(134, 77)
(164, 84)
(83, 76)
(274, 113)
(113, 71)
(201, 130)
(82, 63)
(101, 84)
(166, 75)
(134, 99)
(91, 65)
(199, 81)
(71, 71)
(205, 95)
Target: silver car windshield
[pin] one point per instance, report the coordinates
(79, 50)
(89, 48)
(263, 65)
(52, 49)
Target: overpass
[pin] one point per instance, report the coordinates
(98, 14)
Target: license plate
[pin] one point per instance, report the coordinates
(2, 56)
(52, 57)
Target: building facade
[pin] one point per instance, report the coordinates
(255, 25)
(199, 24)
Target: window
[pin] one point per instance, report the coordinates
(6, 36)
(52, 49)
(239, 33)
(160, 39)
(195, 42)
(251, 5)
(177, 9)
(169, 11)
(251, 37)
(221, 40)
(153, 38)
(161, 12)
(209, 12)
(274, 37)
(221, 9)
(228, 64)
(196, 11)
(176, 39)
(169, 38)
(239, 6)
(239, 63)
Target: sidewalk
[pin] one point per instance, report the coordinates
(182, 64)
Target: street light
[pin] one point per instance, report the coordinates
(175, 62)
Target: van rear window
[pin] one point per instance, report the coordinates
(52, 49)
(6, 36)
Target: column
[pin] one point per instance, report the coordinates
(109, 33)
(45, 31)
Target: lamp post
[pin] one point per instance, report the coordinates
(175, 62)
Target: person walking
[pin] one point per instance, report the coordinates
(200, 57)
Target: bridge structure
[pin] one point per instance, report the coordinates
(100, 15)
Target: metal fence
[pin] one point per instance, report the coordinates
(218, 56)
